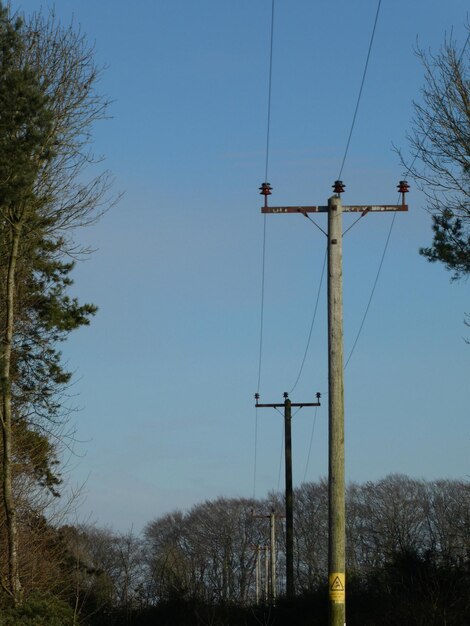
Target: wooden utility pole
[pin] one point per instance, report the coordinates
(257, 548)
(272, 529)
(257, 573)
(289, 495)
(270, 571)
(336, 484)
(336, 477)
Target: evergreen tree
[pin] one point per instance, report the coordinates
(47, 106)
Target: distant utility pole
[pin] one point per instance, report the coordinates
(272, 538)
(336, 480)
(258, 549)
(287, 404)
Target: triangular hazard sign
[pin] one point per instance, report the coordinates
(337, 585)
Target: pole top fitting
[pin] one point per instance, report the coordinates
(265, 190)
(338, 186)
(403, 188)
(285, 394)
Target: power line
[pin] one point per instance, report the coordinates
(310, 443)
(407, 171)
(269, 92)
(339, 177)
(312, 324)
(260, 352)
(360, 90)
(372, 292)
(261, 324)
(266, 177)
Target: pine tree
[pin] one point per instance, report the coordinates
(47, 107)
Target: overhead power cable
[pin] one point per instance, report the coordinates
(372, 292)
(310, 444)
(339, 177)
(408, 169)
(360, 90)
(268, 129)
(260, 352)
(312, 324)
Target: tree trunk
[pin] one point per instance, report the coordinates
(14, 584)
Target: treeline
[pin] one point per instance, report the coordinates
(408, 560)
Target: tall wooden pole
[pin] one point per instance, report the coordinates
(289, 498)
(336, 483)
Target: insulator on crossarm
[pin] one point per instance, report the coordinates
(265, 190)
(338, 186)
(403, 188)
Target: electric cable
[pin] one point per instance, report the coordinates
(266, 177)
(360, 90)
(269, 91)
(281, 456)
(339, 177)
(312, 324)
(261, 323)
(310, 443)
(373, 290)
(407, 171)
(260, 353)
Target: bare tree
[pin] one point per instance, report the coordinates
(440, 147)
(311, 534)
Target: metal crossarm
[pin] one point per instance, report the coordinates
(355, 208)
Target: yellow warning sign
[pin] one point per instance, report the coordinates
(337, 586)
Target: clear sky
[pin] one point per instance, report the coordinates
(166, 373)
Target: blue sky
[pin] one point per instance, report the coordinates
(166, 373)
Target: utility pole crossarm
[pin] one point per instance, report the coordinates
(354, 208)
(275, 406)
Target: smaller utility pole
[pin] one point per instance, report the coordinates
(266, 575)
(272, 528)
(258, 549)
(289, 496)
(270, 573)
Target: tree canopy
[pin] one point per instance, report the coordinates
(440, 146)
